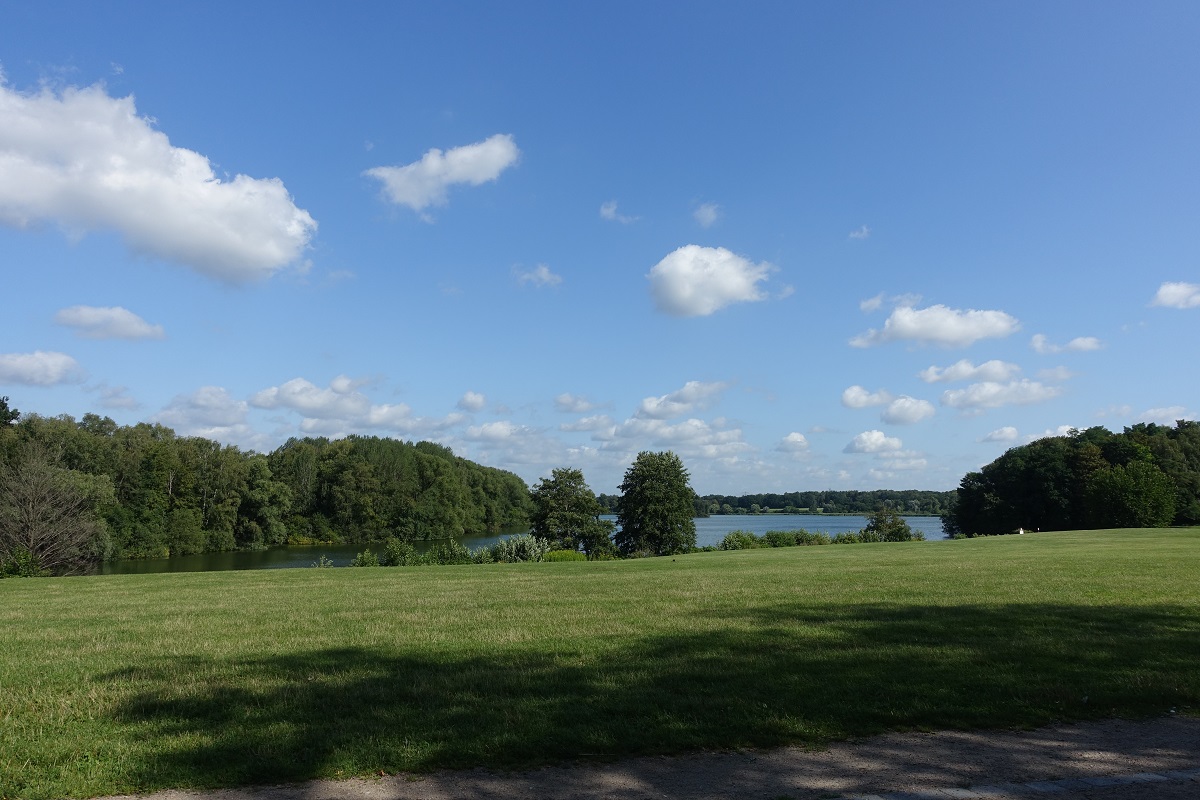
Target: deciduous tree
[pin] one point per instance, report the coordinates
(655, 509)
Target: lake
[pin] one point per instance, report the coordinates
(709, 531)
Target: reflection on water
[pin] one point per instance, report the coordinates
(709, 531)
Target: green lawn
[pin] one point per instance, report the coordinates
(132, 683)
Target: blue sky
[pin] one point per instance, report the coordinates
(804, 245)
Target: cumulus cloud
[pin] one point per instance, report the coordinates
(425, 183)
(87, 161)
(991, 394)
(40, 368)
(793, 443)
(707, 214)
(206, 408)
(1058, 374)
(538, 276)
(858, 397)
(862, 232)
(92, 322)
(609, 211)
(696, 281)
(690, 437)
(599, 422)
(1006, 434)
(871, 303)
(1079, 344)
(907, 410)
(340, 401)
(1061, 430)
(937, 324)
(472, 401)
(1177, 295)
(116, 397)
(964, 370)
(1165, 416)
(694, 394)
(873, 442)
(573, 404)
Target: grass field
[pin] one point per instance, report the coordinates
(132, 683)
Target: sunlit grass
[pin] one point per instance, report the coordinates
(131, 683)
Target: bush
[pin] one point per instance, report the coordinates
(324, 562)
(398, 553)
(365, 559)
(846, 538)
(780, 538)
(888, 526)
(740, 540)
(448, 552)
(482, 556)
(522, 547)
(806, 538)
(564, 555)
(21, 563)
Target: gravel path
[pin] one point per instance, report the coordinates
(1112, 760)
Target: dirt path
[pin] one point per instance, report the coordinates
(1112, 760)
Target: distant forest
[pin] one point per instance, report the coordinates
(906, 501)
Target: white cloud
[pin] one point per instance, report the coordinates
(696, 281)
(793, 443)
(1006, 434)
(609, 211)
(694, 394)
(862, 233)
(1042, 344)
(472, 401)
(990, 394)
(39, 368)
(1058, 374)
(964, 370)
(497, 431)
(341, 401)
(1177, 295)
(1061, 430)
(424, 183)
(871, 303)
(707, 214)
(538, 276)
(87, 161)
(1165, 416)
(206, 408)
(907, 410)
(600, 422)
(92, 322)
(690, 437)
(873, 442)
(573, 404)
(858, 397)
(116, 397)
(939, 325)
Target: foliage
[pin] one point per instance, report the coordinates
(886, 525)
(780, 538)
(655, 510)
(831, 501)
(739, 540)
(398, 553)
(365, 559)
(522, 547)
(48, 514)
(21, 563)
(1147, 475)
(448, 552)
(566, 513)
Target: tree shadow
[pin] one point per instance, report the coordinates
(774, 675)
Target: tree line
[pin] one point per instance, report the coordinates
(1146, 476)
(142, 491)
(830, 501)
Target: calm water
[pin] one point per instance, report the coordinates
(709, 531)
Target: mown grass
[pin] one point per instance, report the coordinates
(132, 683)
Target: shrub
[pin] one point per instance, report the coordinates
(806, 538)
(21, 563)
(780, 538)
(449, 551)
(846, 538)
(888, 526)
(482, 556)
(324, 562)
(564, 555)
(365, 559)
(522, 547)
(398, 553)
(740, 540)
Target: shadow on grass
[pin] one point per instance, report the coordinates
(772, 676)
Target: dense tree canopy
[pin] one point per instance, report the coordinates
(566, 513)
(656, 506)
(1146, 476)
(173, 495)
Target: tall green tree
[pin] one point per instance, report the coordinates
(566, 512)
(655, 509)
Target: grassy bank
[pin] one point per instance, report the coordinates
(129, 683)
